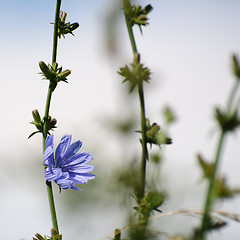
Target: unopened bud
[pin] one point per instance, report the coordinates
(62, 16)
(53, 123)
(39, 236)
(55, 66)
(62, 76)
(53, 232)
(44, 68)
(148, 9)
(36, 116)
(73, 26)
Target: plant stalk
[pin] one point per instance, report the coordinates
(208, 202)
(142, 106)
(207, 206)
(46, 115)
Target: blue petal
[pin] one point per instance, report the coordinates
(75, 188)
(79, 158)
(62, 148)
(79, 169)
(73, 149)
(53, 174)
(48, 156)
(49, 141)
(64, 183)
(80, 178)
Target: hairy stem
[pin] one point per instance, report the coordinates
(46, 114)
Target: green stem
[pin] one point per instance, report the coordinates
(144, 145)
(55, 35)
(46, 114)
(127, 6)
(207, 206)
(52, 206)
(131, 36)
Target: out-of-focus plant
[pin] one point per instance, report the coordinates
(136, 74)
(228, 121)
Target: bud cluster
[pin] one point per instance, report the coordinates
(53, 73)
(65, 28)
(154, 135)
(38, 122)
(136, 14)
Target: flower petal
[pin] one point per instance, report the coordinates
(62, 148)
(79, 169)
(48, 156)
(80, 178)
(53, 174)
(49, 141)
(79, 158)
(72, 150)
(64, 183)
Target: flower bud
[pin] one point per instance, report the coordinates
(36, 116)
(73, 26)
(44, 68)
(62, 16)
(62, 76)
(55, 66)
(148, 9)
(39, 237)
(53, 232)
(52, 123)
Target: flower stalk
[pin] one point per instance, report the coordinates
(47, 108)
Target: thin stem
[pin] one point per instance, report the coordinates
(131, 36)
(207, 206)
(46, 114)
(144, 146)
(55, 34)
(142, 106)
(52, 206)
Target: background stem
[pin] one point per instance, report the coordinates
(212, 180)
(142, 106)
(208, 202)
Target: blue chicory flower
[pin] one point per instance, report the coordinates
(67, 167)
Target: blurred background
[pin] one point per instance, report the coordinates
(188, 47)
